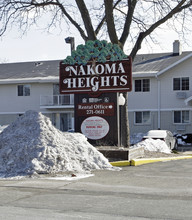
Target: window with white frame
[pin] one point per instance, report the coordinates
(142, 117)
(181, 117)
(142, 85)
(23, 90)
(181, 83)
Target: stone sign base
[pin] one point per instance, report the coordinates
(115, 153)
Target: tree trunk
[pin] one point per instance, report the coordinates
(86, 19)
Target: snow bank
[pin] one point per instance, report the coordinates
(2, 127)
(33, 145)
(154, 145)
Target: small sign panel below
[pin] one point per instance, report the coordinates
(95, 127)
(99, 109)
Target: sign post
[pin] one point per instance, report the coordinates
(96, 86)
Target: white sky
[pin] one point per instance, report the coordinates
(38, 45)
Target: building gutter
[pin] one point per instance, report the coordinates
(145, 74)
(158, 102)
(48, 79)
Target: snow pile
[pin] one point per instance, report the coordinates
(2, 127)
(154, 145)
(33, 145)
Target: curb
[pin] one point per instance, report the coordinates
(123, 163)
(137, 162)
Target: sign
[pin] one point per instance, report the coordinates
(95, 77)
(95, 127)
(104, 108)
(99, 109)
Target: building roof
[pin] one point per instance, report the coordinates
(157, 63)
(144, 65)
(29, 70)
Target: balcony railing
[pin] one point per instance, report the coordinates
(56, 100)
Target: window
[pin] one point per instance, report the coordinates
(23, 90)
(60, 99)
(142, 85)
(181, 83)
(142, 117)
(56, 89)
(181, 117)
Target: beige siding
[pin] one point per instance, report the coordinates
(169, 98)
(143, 100)
(169, 101)
(137, 128)
(6, 119)
(11, 102)
(167, 123)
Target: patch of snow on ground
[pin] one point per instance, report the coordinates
(32, 145)
(71, 178)
(154, 145)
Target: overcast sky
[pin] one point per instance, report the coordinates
(38, 45)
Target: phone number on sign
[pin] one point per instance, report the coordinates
(96, 112)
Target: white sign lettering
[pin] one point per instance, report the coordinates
(95, 77)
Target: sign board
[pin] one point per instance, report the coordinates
(95, 127)
(95, 77)
(96, 118)
(99, 109)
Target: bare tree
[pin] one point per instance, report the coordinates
(119, 20)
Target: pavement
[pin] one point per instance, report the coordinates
(137, 162)
(152, 191)
(186, 154)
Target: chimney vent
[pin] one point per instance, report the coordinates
(177, 48)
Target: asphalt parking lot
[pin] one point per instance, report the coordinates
(160, 190)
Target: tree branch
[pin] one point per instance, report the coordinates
(26, 6)
(99, 26)
(110, 21)
(81, 31)
(86, 19)
(144, 34)
(128, 21)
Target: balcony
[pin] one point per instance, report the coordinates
(56, 101)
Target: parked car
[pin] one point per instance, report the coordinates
(163, 135)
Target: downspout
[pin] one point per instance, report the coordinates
(158, 102)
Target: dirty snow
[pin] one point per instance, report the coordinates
(154, 145)
(2, 127)
(71, 177)
(32, 145)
